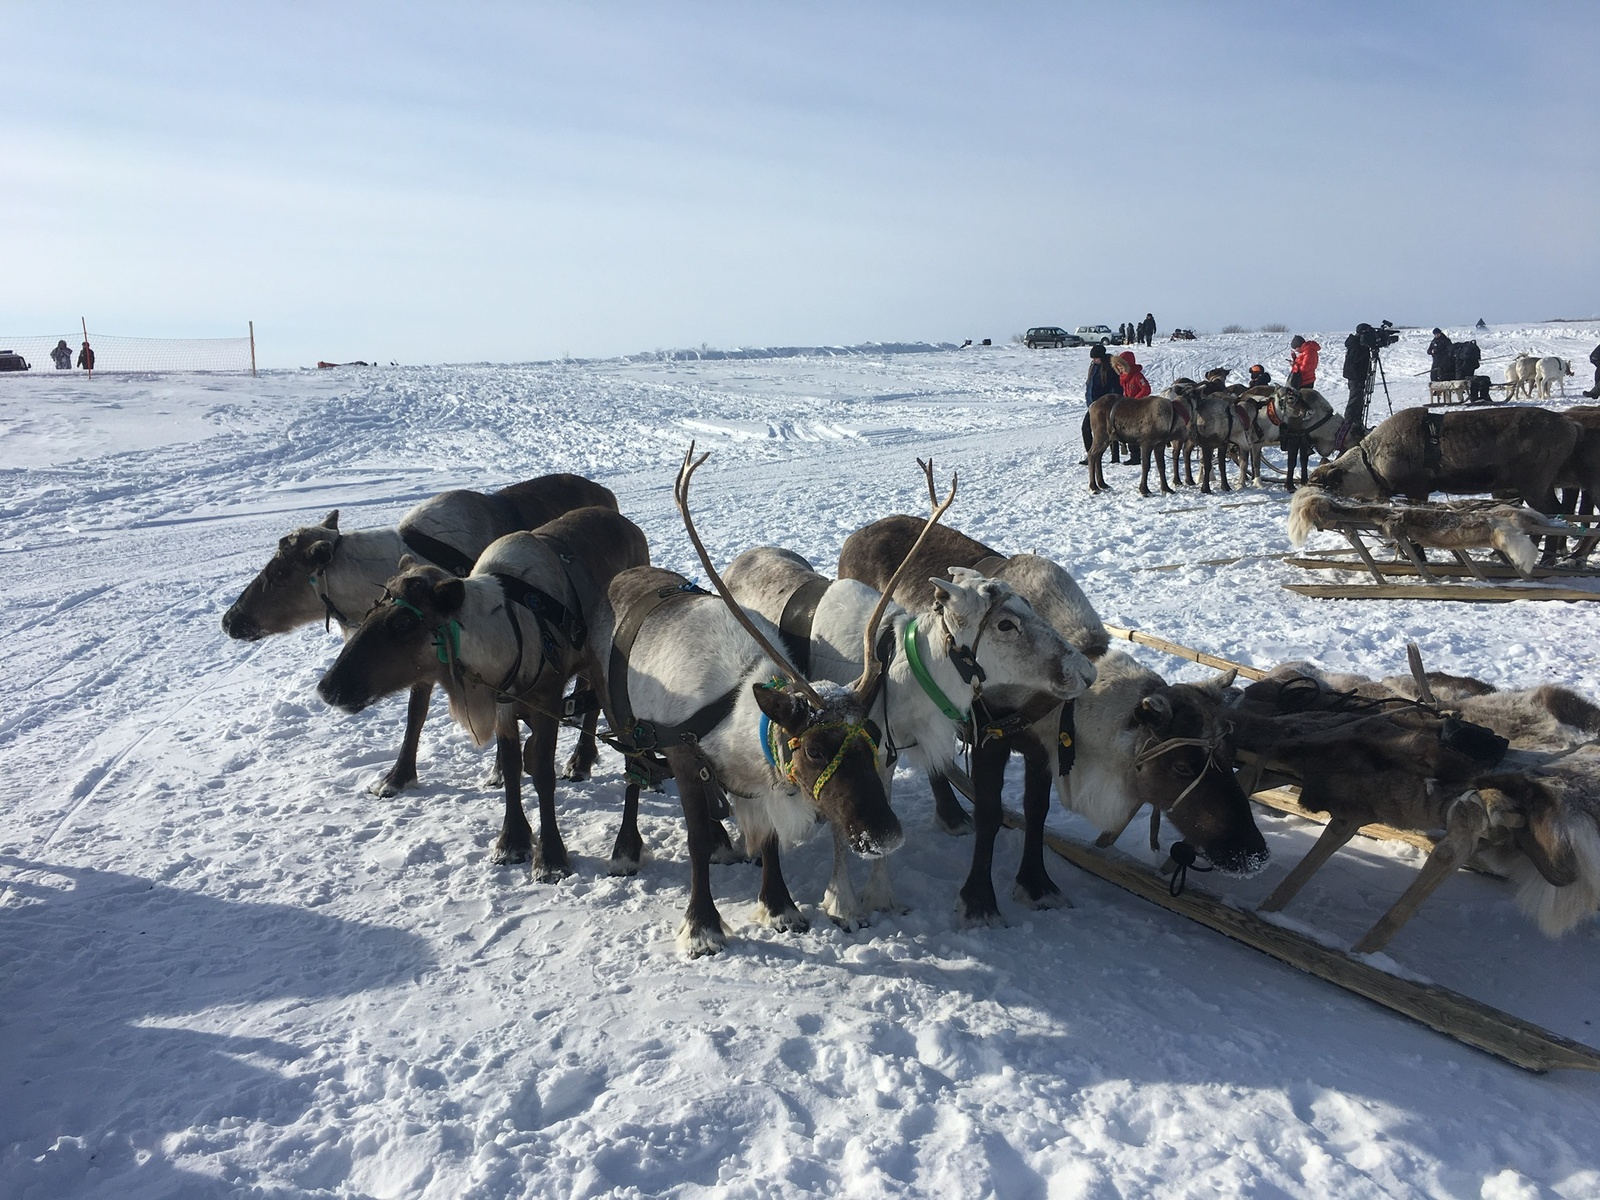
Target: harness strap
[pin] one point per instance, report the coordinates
(435, 551)
(1328, 416)
(1007, 723)
(794, 626)
(1361, 449)
(920, 671)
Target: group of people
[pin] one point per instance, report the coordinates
(1114, 375)
(62, 356)
(1140, 333)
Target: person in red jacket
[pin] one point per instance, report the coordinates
(1134, 383)
(1303, 362)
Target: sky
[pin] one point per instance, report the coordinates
(433, 182)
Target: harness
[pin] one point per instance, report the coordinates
(435, 551)
(1432, 432)
(640, 742)
(319, 584)
(550, 615)
(794, 626)
(1366, 459)
(1326, 417)
(990, 564)
(1272, 410)
(779, 751)
(1182, 853)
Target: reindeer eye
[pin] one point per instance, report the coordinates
(816, 756)
(1183, 770)
(1006, 626)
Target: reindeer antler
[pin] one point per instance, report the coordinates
(680, 493)
(871, 667)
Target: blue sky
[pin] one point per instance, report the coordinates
(456, 182)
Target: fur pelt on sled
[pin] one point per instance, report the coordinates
(1503, 527)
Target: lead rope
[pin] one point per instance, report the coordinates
(1181, 852)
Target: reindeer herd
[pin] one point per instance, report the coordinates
(784, 697)
(1222, 421)
(787, 699)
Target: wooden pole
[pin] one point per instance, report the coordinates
(1189, 652)
(252, 349)
(85, 322)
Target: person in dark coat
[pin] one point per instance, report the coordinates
(1103, 380)
(62, 355)
(1259, 376)
(1149, 329)
(86, 357)
(1443, 354)
(1594, 360)
(1358, 378)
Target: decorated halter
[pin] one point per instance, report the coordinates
(964, 658)
(446, 637)
(779, 750)
(319, 585)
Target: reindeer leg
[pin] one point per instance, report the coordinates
(1205, 471)
(1144, 470)
(878, 895)
(840, 901)
(775, 907)
(1466, 824)
(947, 809)
(1161, 469)
(628, 850)
(723, 851)
(976, 904)
(404, 771)
(1034, 887)
(1334, 835)
(580, 763)
(515, 843)
(1222, 466)
(551, 865)
(702, 931)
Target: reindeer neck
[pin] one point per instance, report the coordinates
(938, 685)
(363, 562)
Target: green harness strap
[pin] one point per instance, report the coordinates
(918, 669)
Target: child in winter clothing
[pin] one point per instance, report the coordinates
(1134, 383)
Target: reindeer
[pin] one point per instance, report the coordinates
(1219, 425)
(702, 682)
(1514, 776)
(503, 643)
(1522, 372)
(322, 573)
(1097, 770)
(1149, 421)
(1307, 421)
(975, 627)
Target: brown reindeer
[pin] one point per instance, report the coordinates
(1128, 709)
(323, 573)
(1367, 753)
(503, 643)
(1150, 422)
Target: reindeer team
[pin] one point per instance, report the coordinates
(786, 699)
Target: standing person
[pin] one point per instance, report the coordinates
(1303, 362)
(1358, 351)
(1134, 383)
(86, 357)
(1594, 360)
(1102, 381)
(1442, 351)
(62, 355)
(1149, 329)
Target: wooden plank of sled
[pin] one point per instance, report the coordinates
(1491, 570)
(1212, 562)
(1193, 655)
(1469, 1021)
(1437, 591)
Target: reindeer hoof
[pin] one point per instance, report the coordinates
(546, 871)
(786, 920)
(696, 940)
(505, 855)
(622, 867)
(848, 922)
(1050, 896)
(391, 785)
(725, 852)
(495, 778)
(574, 771)
(978, 910)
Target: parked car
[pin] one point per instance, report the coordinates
(1103, 334)
(12, 361)
(1049, 335)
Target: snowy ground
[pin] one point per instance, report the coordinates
(230, 971)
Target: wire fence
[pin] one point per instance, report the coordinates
(45, 352)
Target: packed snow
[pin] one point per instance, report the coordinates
(230, 971)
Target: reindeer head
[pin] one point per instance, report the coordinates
(284, 595)
(1348, 476)
(1010, 642)
(1184, 767)
(411, 637)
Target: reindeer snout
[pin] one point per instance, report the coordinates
(875, 843)
(240, 627)
(1075, 674)
(335, 693)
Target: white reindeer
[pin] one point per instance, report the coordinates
(924, 700)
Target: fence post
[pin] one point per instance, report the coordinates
(252, 349)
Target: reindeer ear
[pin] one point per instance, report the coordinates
(787, 711)
(1155, 712)
(1222, 682)
(406, 563)
(320, 554)
(449, 595)
(954, 602)
(331, 521)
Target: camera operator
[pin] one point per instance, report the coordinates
(1360, 365)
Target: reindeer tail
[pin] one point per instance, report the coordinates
(1309, 506)
(1509, 538)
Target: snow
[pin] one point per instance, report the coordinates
(229, 970)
